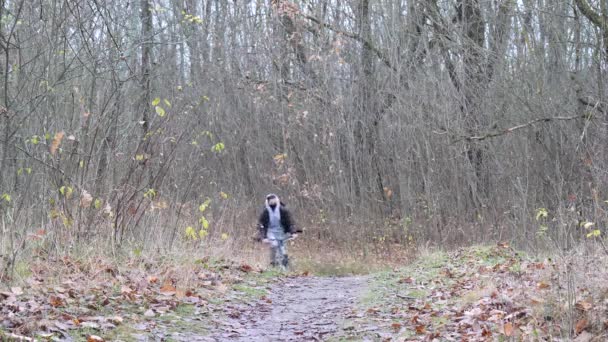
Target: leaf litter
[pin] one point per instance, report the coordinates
(65, 299)
(484, 294)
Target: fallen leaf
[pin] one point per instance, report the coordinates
(508, 329)
(168, 289)
(407, 280)
(116, 320)
(246, 268)
(396, 326)
(536, 300)
(543, 285)
(149, 313)
(180, 294)
(55, 301)
(17, 291)
(584, 305)
(94, 338)
(420, 329)
(152, 280)
(581, 325)
(373, 310)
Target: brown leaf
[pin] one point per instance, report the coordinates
(116, 320)
(94, 338)
(152, 280)
(420, 329)
(543, 285)
(56, 142)
(180, 294)
(85, 199)
(536, 300)
(246, 268)
(584, 305)
(167, 289)
(373, 310)
(508, 329)
(396, 326)
(581, 325)
(407, 280)
(55, 301)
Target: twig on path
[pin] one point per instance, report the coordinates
(405, 297)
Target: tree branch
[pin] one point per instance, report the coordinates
(518, 127)
(594, 17)
(366, 44)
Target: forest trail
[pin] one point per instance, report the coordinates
(297, 309)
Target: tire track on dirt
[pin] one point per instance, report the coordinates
(297, 309)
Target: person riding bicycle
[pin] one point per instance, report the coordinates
(275, 227)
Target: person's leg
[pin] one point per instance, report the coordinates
(285, 259)
(274, 250)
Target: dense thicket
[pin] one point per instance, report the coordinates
(426, 118)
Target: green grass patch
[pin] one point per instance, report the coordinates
(249, 291)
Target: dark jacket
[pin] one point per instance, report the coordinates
(286, 222)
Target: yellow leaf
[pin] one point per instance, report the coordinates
(191, 233)
(203, 221)
(224, 236)
(279, 158)
(160, 111)
(541, 213)
(219, 147)
(204, 206)
(156, 101)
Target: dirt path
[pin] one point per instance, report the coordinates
(297, 309)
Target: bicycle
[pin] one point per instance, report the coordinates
(278, 253)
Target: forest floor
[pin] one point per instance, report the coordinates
(487, 293)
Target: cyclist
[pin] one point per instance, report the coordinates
(275, 227)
